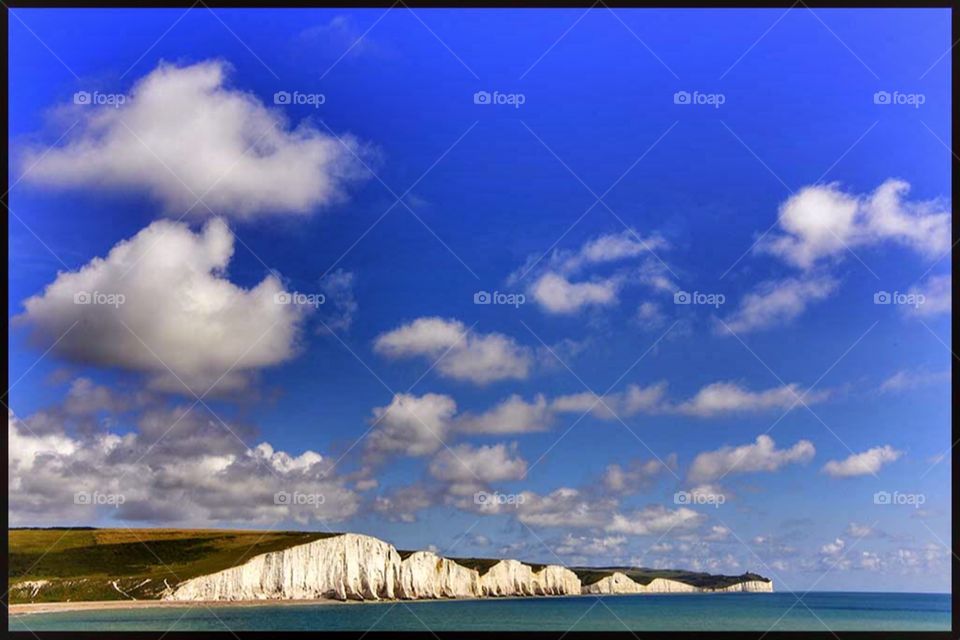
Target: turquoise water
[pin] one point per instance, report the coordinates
(729, 612)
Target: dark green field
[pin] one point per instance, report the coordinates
(85, 564)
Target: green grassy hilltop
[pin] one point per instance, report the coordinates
(106, 564)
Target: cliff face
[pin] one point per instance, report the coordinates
(358, 567)
(427, 575)
(621, 583)
(616, 583)
(344, 567)
(751, 586)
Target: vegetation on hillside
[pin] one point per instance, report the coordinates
(64, 564)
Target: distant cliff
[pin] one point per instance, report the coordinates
(358, 567)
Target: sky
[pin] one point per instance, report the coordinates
(635, 287)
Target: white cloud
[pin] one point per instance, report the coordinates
(653, 520)
(556, 294)
(183, 134)
(563, 507)
(759, 456)
(512, 415)
(912, 379)
(553, 285)
(833, 549)
(633, 400)
(857, 530)
(937, 292)
(777, 302)
(411, 425)
(718, 533)
(868, 462)
(589, 546)
(340, 303)
(635, 476)
(459, 353)
(177, 311)
(403, 503)
(466, 468)
(198, 474)
(823, 221)
(727, 397)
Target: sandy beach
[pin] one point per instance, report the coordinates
(90, 605)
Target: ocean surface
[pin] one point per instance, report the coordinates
(818, 611)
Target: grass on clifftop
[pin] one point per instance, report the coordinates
(82, 564)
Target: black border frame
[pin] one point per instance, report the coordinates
(954, 633)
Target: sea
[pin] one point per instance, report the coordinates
(814, 611)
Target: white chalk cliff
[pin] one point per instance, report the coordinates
(358, 567)
(618, 582)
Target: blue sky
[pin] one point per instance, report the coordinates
(797, 200)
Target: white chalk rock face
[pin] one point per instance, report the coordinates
(554, 580)
(614, 583)
(426, 575)
(356, 567)
(750, 586)
(508, 578)
(665, 585)
(349, 566)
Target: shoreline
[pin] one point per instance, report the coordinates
(23, 609)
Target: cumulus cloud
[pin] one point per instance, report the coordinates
(729, 397)
(159, 303)
(556, 294)
(823, 221)
(604, 547)
(402, 504)
(868, 462)
(467, 469)
(196, 474)
(183, 134)
(633, 400)
(459, 353)
(561, 284)
(563, 507)
(713, 399)
(778, 302)
(635, 476)
(512, 415)
(654, 520)
(411, 425)
(759, 456)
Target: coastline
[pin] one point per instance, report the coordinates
(24, 609)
